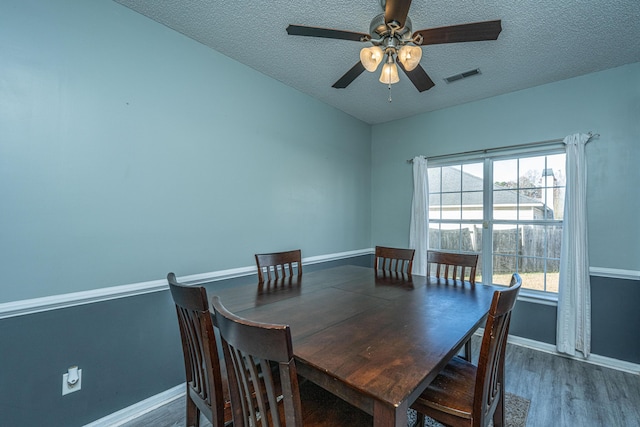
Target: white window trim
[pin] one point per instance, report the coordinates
(529, 295)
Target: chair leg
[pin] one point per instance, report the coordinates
(420, 420)
(467, 351)
(498, 415)
(193, 413)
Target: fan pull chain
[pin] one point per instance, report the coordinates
(390, 93)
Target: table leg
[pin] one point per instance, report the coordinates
(389, 416)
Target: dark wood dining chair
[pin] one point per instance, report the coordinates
(252, 348)
(464, 394)
(454, 267)
(281, 264)
(395, 260)
(207, 386)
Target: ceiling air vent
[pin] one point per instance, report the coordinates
(461, 76)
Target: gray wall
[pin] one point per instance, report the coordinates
(615, 319)
(127, 149)
(129, 349)
(608, 103)
(113, 127)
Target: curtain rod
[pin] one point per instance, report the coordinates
(489, 150)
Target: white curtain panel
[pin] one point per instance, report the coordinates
(419, 228)
(574, 295)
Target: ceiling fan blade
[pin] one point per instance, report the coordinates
(349, 76)
(396, 11)
(418, 77)
(476, 31)
(329, 33)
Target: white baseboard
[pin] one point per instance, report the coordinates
(594, 359)
(138, 409)
(55, 302)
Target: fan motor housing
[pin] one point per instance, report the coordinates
(379, 27)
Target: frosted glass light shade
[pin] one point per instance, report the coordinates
(410, 56)
(389, 73)
(371, 57)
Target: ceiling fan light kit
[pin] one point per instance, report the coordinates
(390, 34)
(371, 57)
(410, 56)
(389, 73)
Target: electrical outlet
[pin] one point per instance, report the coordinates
(72, 380)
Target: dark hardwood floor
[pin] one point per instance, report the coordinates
(563, 393)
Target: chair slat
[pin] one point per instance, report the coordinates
(280, 265)
(448, 399)
(395, 260)
(453, 266)
(205, 380)
(254, 350)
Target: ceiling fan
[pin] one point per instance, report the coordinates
(391, 36)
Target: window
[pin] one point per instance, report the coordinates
(508, 209)
(456, 206)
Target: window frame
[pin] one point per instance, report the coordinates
(488, 158)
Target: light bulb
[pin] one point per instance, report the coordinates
(371, 57)
(410, 56)
(389, 73)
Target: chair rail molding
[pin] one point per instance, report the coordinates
(614, 273)
(55, 302)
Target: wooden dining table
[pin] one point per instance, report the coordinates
(376, 340)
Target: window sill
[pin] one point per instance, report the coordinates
(536, 297)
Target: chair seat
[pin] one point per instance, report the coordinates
(451, 391)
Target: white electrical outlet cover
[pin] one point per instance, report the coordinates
(66, 387)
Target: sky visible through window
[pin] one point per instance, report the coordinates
(509, 171)
(526, 215)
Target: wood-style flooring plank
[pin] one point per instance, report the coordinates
(563, 393)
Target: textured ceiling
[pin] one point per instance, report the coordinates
(541, 42)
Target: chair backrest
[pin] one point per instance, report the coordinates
(489, 385)
(281, 264)
(252, 348)
(453, 266)
(201, 357)
(394, 259)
